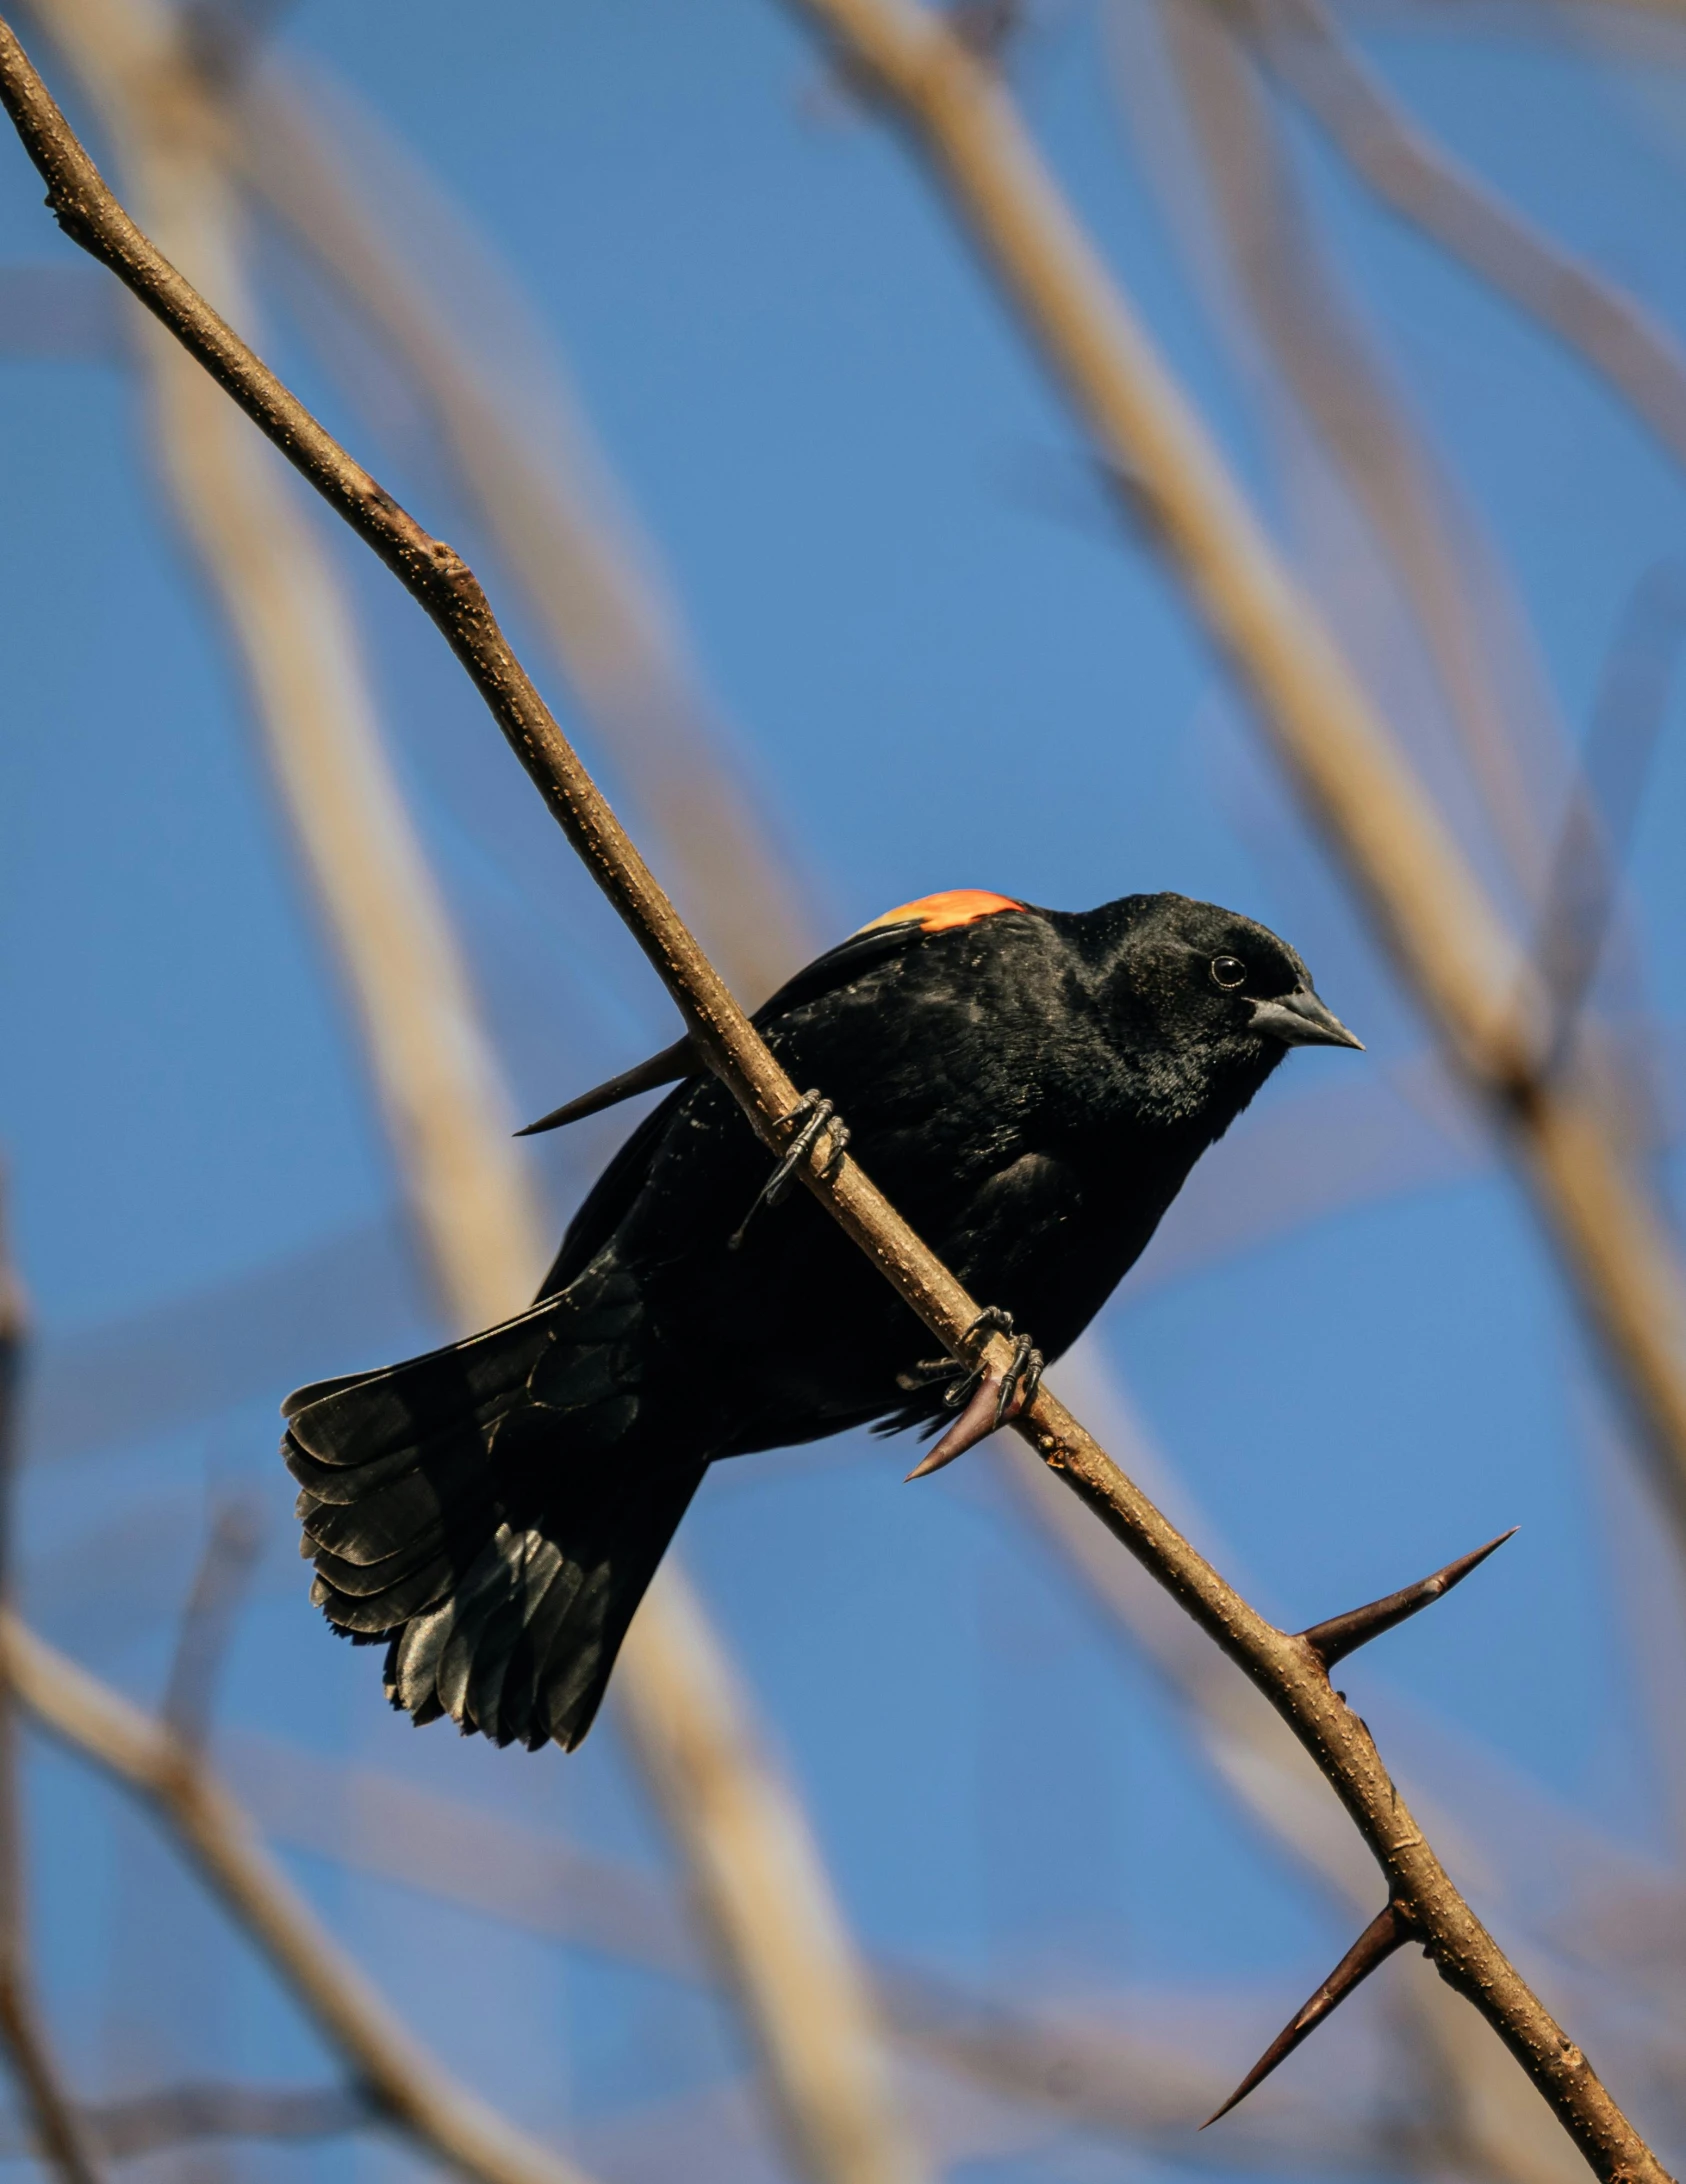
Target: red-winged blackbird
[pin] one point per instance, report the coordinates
(1029, 1087)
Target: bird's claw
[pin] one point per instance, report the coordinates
(985, 1400)
(963, 1378)
(820, 1115)
(1022, 1379)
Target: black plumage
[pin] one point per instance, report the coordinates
(1030, 1088)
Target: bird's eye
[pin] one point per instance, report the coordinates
(1228, 972)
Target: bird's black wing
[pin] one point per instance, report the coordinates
(872, 944)
(612, 1195)
(681, 1061)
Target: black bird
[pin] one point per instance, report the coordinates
(1030, 1088)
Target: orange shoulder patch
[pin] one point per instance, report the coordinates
(936, 913)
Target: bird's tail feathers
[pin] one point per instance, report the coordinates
(476, 1509)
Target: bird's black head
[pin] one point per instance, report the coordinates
(1200, 1003)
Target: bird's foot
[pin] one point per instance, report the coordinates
(931, 1372)
(816, 1115)
(985, 1400)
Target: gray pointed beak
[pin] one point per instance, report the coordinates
(1300, 1019)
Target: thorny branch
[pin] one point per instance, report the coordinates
(1469, 2104)
(1282, 1665)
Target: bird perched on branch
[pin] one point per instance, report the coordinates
(1029, 1088)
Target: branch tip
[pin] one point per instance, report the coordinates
(1389, 1930)
(1343, 1634)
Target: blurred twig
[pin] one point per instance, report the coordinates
(1627, 723)
(787, 1957)
(185, 2115)
(225, 1569)
(1633, 353)
(1140, 2093)
(1282, 1664)
(407, 2085)
(57, 2127)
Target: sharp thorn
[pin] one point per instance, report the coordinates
(976, 1423)
(1388, 1931)
(677, 1061)
(985, 1399)
(1344, 1634)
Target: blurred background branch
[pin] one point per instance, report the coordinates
(1638, 359)
(57, 2130)
(220, 1585)
(1294, 301)
(186, 2115)
(407, 2086)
